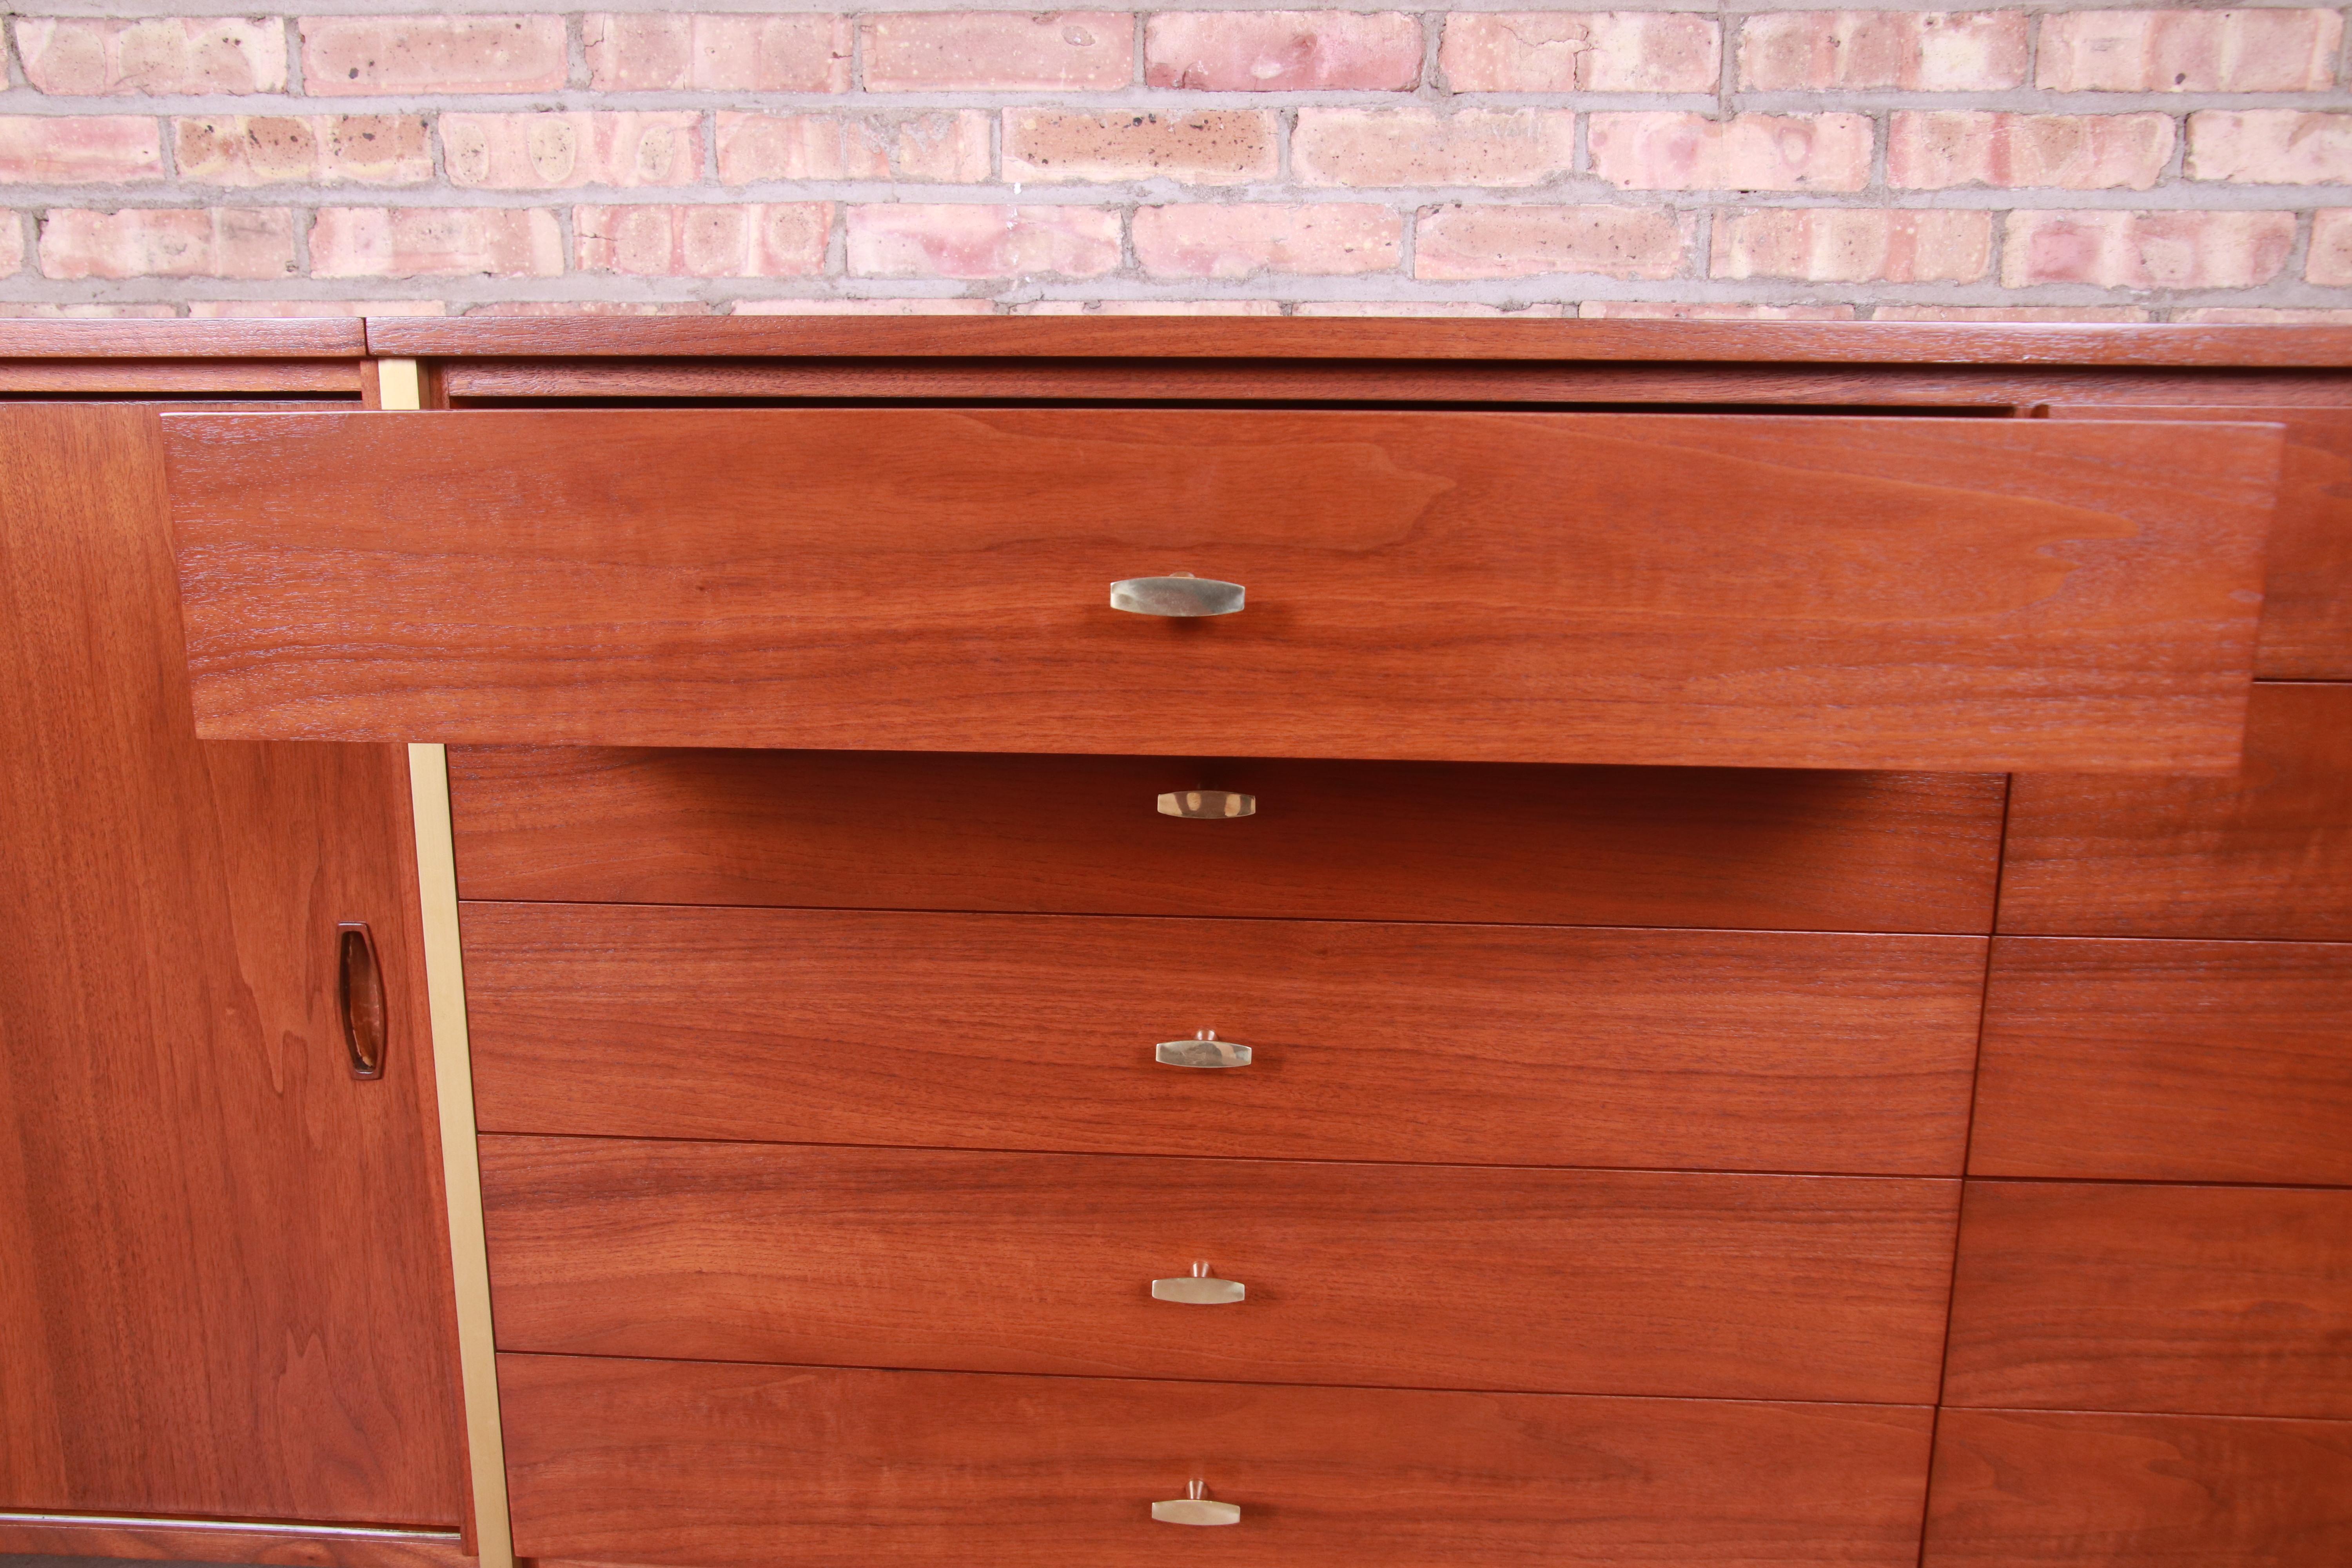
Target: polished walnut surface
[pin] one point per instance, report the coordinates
(1460, 586)
(836, 1467)
(803, 964)
(222, 1283)
(1463, 1043)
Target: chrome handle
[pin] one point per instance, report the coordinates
(1199, 1289)
(359, 998)
(1178, 593)
(1193, 1508)
(1203, 1050)
(1207, 804)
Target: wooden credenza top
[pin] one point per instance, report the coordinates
(1259, 338)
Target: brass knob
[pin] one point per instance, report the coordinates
(1199, 1289)
(1179, 594)
(1193, 1507)
(1207, 804)
(1203, 1050)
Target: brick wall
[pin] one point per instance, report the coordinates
(2065, 162)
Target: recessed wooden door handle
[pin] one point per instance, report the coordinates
(359, 998)
(1178, 593)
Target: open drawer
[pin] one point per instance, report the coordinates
(1665, 589)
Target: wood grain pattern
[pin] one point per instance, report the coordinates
(1425, 1276)
(2307, 596)
(740, 1467)
(1812, 389)
(1836, 851)
(82, 378)
(1862, 343)
(2216, 1300)
(1471, 1044)
(226, 1290)
(200, 1541)
(2031, 1489)
(2167, 1061)
(288, 338)
(2267, 854)
(1969, 595)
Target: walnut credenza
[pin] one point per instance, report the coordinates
(1617, 944)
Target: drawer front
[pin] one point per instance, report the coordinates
(1662, 589)
(743, 1467)
(1497, 1044)
(2266, 854)
(2222, 1301)
(2039, 1490)
(2307, 598)
(2167, 1061)
(1434, 1276)
(1396, 841)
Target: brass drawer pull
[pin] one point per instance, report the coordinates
(1178, 593)
(1194, 1509)
(1199, 1289)
(1207, 804)
(1203, 1050)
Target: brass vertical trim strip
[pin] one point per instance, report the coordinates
(399, 383)
(461, 1167)
(400, 386)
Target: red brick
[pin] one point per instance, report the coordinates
(1938, 149)
(1422, 147)
(2271, 147)
(1282, 51)
(948, 145)
(11, 243)
(103, 56)
(2189, 51)
(1000, 50)
(1646, 310)
(346, 54)
(1246, 239)
(554, 151)
(591, 308)
(656, 51)
(1417, 309)
(865, 308)
(1534, 241)
(1205, 147)
(914, 240)
(784, 240)
(1678, 152)
(1597, 51)
(2246, 316)
(317, 150)
(234, 310)
(64, 150)
(251, 243)
(1853, 244)
(1151, 308)
(2331, 248)
(436, 242)
(2147, 250)
(2009, 314)
(1917, 51)
(53, 312)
